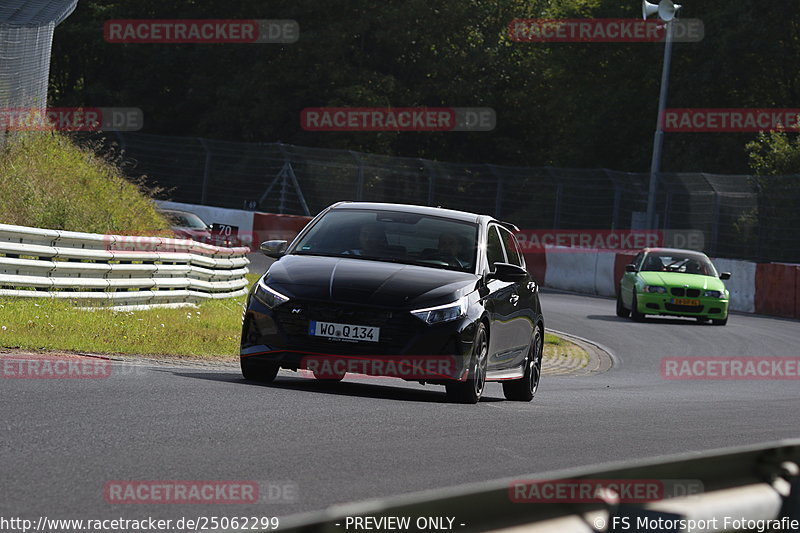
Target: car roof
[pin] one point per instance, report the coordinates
(416, 209)
(181, 211)
(675, 251)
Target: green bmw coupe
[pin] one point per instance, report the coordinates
(666, 281)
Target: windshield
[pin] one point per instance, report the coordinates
(684, 263)
(185, 220)
(393, 236)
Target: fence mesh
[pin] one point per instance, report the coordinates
(26, 40)
(740, 216)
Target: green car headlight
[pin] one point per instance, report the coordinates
(713, 294)
(653, 289)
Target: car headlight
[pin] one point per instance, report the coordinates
(269, 296)
(655, 289)
(443, 313)
(713, 294)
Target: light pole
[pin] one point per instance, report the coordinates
(667, 11)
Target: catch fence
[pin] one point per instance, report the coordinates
(740, 216)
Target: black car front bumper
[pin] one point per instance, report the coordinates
(408, 348)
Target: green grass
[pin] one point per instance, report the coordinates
(211, 329)
(551, 339)
(46, 181)
(557, 349)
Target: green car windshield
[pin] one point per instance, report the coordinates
(684, 263)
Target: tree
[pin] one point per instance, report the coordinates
(775, 159)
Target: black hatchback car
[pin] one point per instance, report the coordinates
(420, 293)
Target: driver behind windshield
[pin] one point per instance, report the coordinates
(450, 245)
(653, 264)
(371, 240)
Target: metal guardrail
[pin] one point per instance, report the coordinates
(750, 486)
(116, 270)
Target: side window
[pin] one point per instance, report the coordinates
(638, 260)
(494, 248)
(512, 248)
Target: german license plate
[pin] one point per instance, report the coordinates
(686, 302)
(346, 332)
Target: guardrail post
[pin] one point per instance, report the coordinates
(431, 180)
(559, 193)
(557, 213)
(206, 172)
(715, 224)
(360, 184)
(498, 199)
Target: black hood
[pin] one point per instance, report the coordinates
(367, 282)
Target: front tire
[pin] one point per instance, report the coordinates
(622, 311)
(254, 370)
(635, 314)
(471, 390)
(719, 321)
(523, 390)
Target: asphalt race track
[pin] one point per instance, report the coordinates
(62, 440)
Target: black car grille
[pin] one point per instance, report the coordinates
(684, 308)
(396, 327)
(691, 293)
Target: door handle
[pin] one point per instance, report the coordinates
(514, 299)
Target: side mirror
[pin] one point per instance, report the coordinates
(630, 268)
(508, 272)
(725, 275)
(274, 249)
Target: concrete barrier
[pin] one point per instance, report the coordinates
(571, 270)
(604, 282)
(742, 284)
